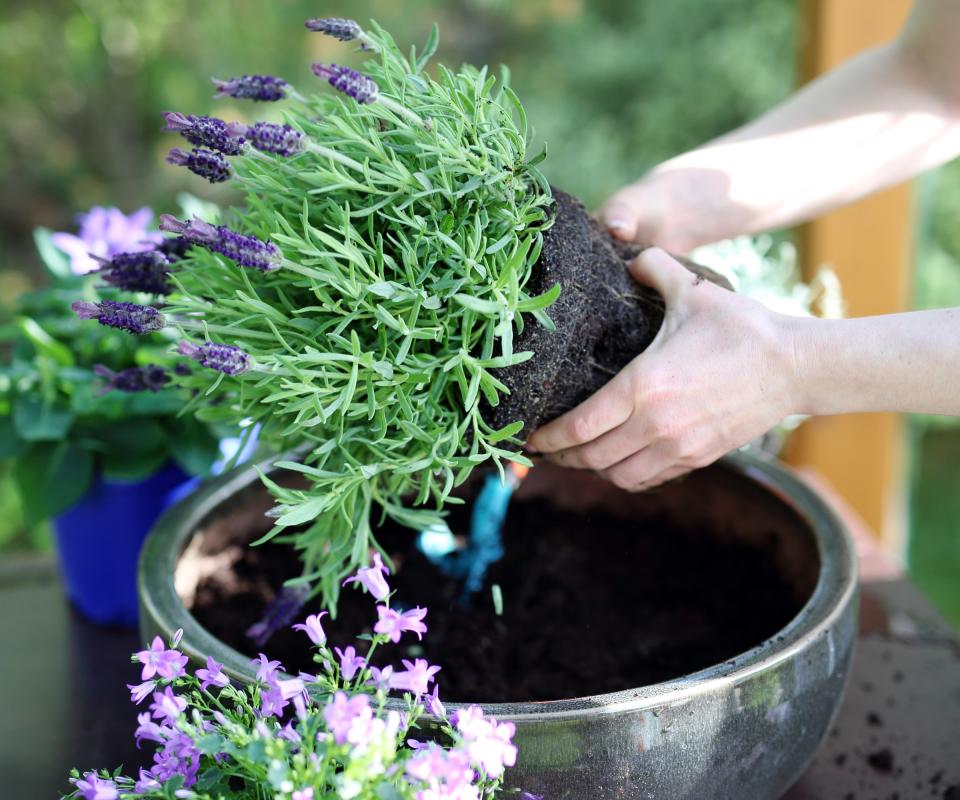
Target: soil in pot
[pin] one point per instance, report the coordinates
(603, 319)
(592, 602)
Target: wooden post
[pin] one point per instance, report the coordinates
(870, 245)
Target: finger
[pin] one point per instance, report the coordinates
(601, 412)
(620, 217)
(638, 469)
(653, 267)
(606, 450)
(664, 477)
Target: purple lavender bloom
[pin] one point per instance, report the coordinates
(212, 675)
(311, 626)
(174, 247)
(144, 271)
(223, 358)
(206, 163)
(125, 316)
(416, 678)
(141, 691)
(105, 232)
(150, 378)
(263, 88)
(279, 613)
(350, 662)
(204, 132)
(166, 705)
(282, 140)
(93, 788)
(392, 624)
(352, 83)
(157, 660)
(247, 251)
(371, 578)
(346, 30)
(348, 718)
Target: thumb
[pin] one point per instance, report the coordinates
(655, 268)
(620, 217)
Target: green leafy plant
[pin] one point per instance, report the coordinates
(358, 302)
(59, 419)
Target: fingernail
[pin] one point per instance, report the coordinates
(617, 224)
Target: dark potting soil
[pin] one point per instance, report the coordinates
(603, 319)
(591, 604)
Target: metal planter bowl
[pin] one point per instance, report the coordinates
(741, 730)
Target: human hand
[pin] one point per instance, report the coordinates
(719, 373)
(677, 206)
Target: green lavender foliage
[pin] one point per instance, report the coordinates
(408, 241)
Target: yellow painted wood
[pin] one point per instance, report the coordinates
(869, 245)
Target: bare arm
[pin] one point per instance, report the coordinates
(877, 120)
(724, 369)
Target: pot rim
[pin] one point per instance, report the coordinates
(834, 592)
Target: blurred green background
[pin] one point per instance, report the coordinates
(613, 87)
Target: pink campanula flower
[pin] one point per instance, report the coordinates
(212, 675)
(392, 623)
(349, 718)
(139, 692)
(147, 783)
(93, 788)
(372, 578)
(312, 627)
(488, 742)
(157, 660)
(350, 662)
(416, 678)
(106, 232)
(166, 705)
(302, 794)
(432, 704)
(380, 678)
(266, 669)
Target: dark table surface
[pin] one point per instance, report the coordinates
(63, 700)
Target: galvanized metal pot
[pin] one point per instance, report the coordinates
(741, 730)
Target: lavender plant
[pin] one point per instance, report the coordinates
(308, 737)
(357, 302)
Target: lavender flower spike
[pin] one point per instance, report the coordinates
(200, 161)
(247, 251)
(204, 132)
(125, 316)
(146, 271)
(346, 30)
(352, 83)
(223, 358)
(262, 88)
(151, 378)
(269, 138)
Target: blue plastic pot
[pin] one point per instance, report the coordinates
(99, 542)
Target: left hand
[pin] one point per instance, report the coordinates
(719, 373)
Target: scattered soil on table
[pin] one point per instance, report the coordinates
(591, 604)
(603, 319)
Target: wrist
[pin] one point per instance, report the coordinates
(814, 389)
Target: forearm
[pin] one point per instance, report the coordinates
(898, 362)
(879, 119)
